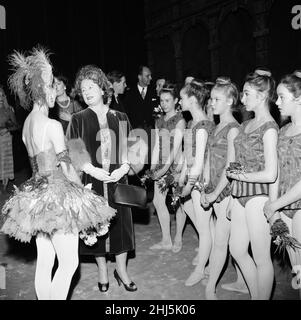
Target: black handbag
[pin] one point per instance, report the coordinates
(129, 195)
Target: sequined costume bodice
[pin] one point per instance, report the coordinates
(190, 139)
(289, 155)
(44, 163)
(166, 141)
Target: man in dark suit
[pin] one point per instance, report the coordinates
(140, 100)
(118, 81)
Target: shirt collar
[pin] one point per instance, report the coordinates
(140, 88)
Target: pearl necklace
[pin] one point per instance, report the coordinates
(62, 106)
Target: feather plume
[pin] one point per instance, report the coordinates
(78, 153)
(21, 70)
(30, 74)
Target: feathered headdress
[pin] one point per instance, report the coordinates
(30, 75)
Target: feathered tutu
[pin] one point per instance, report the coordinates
(52, 203)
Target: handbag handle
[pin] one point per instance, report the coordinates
(136, 174)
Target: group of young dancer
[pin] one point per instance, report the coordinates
(227, 208)
(235, 208)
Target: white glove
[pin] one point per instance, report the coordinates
(117, 174)
(88, 186)
(97, 173)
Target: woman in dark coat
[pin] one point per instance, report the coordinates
(100, 127)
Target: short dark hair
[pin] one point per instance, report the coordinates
(65, 80)
(95, 74)
(115, 76)
(140, 68)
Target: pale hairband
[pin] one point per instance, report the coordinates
(297, 74)
(263, 73)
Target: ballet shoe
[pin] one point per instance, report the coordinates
(161, 246)
(235, 286)
(177, 246)
(195, 277)
(128, 287)
(103, 287)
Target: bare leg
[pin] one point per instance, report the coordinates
(295, 255)
(205, 241)
(164, 219)
(259, 232)
(102, 270)
(220, 247)
(189, 210)
(66, 248)
(239, 243)
(121, 260)
(180, 223)
(45, 261)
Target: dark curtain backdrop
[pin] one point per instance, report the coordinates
(109, 34)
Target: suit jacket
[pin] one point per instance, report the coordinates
(117, 105)
(140, 110)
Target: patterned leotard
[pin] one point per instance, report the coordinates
(289, 155)
(249, 152)
(218, 146)
(166, 142)
(190, 142)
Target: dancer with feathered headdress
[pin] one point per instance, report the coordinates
(53, 205)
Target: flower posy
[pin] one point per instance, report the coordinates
(280, 232)
(158, 112)
(165, 182)
(176, 195)
(236, 167)
(146, 177)
(89, 236)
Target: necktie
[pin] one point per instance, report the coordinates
(143, 93)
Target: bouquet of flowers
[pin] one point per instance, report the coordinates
(89, 236)
(166, 181)
(176, 195)
(236, 168)
(158, 112)
(148, 175)
(199, 186)
(280, 232)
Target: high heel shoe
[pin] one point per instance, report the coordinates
(129, 287)
(103, 287)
